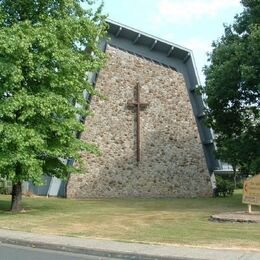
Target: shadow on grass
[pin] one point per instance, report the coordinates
(4, 205)
(42, 205)
(30, 206)
(152, 204)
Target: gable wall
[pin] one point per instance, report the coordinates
(172, 161)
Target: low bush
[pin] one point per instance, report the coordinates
(5, 187)
(224, 187)
(4, 190)
(240, 184)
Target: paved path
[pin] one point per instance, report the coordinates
(121, 250)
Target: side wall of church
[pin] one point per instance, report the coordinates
(172, 160)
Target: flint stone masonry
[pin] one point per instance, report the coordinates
(172, 160)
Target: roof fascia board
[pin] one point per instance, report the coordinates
(109, 21)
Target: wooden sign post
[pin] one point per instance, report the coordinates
(251, 192)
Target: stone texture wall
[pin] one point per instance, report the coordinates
(172, 161)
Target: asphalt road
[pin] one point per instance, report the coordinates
(13, 252)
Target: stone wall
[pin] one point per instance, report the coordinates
(172, 161)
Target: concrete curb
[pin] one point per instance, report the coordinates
(121, 250)
(89, 251)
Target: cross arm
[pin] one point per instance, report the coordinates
(132, 103)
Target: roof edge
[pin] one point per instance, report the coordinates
(149, 35)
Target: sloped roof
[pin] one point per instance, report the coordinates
(152, 42)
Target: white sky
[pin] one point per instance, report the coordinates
(191, 23)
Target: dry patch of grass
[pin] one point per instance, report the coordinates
(177, 221)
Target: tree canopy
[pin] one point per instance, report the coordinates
(233, 90)
(43, 73)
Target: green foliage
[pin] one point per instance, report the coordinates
(240, 184)
(43, 72)
(233, 90)
(225, 187)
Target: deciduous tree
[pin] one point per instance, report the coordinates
(233, 90)
(43, 72)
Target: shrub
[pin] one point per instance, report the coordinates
(4, 190)
(224, 187)
(5, 187)
(240, 184)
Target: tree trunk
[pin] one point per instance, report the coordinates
(235, 176)
(16, 205)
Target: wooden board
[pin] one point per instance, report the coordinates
(251, 191)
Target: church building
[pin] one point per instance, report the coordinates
(149, 127)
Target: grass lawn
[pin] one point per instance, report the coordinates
(176, 221)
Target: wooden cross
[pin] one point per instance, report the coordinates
(138, 104)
